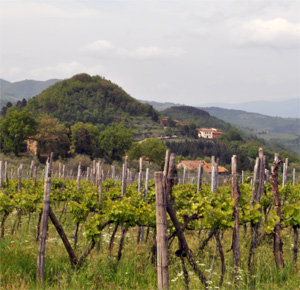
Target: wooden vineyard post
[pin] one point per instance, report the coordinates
(124, 175)
(199, 180)
(59, 170)
(278, 253)
(168, 183)
(294, 176)
(184, 175)
(261, 176)
(34, 176)
(113, 172)
(44, 222)
(31, 168)
(78, 177)
(213, 175)
(94, 172)
(140, 175)
(140, 182)
(254, 182)
(161, 233)
(88, 173)
(99, 176)
(1, 174)
(285, 169)
(5, 173)
(235, 237)
(20, 171)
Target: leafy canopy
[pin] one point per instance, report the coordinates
(114, 141)
(15, 128)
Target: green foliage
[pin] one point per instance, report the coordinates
(89, 99)
(84, 138)
(153, 149)
(200, 118)
(168, 131)
(52, 136)
(15, 128)
(114, 141)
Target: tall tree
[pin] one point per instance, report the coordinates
(84, 138)
(15, 128)
(152, 148)
(114, 141)
(52, 136)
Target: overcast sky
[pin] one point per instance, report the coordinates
(187, 52)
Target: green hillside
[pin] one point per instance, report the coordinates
(257, 122)
(93, 99)
(200, 117)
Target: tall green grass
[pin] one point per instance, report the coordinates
(18, 258)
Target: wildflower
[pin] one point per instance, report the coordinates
(47, 238)
(12, 246)
(138, 249)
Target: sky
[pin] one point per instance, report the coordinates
(186, 52)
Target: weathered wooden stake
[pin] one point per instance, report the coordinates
(59, 170)
(1, 174)
(294, 176)
(99, 176)
(199, 179)
(5, 173)
(31, 168)
(213, 175)
(78, 177)
(278, 253)
(44, 223)
(88, 172)
(285, 171)
(20, 171)
(235, 237)
(161, 232)
(184, 175)
(124, 175)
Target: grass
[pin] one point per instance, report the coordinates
(18, 258)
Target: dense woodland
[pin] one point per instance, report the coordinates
(92, 116)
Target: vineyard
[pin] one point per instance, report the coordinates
(110, 233)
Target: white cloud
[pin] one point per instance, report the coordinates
(29, 10)
(104, 47)
(153, 52)
(278, 33)
(64, 70)
(98, 46)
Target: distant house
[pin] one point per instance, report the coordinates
(32, 146)
(164, 121)
(209, 133)
(194, 165)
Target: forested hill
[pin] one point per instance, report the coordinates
(256, 121)
(200, 117)
(93, 99)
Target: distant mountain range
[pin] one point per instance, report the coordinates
(13, 92)
(287, 109)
